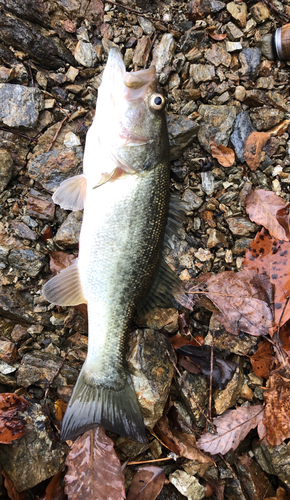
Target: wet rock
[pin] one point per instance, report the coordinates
(199, 389)
(242, 129)
(129, 448)
(265, 118)
(37, 455)
(241, 226)
(142, 51)
(164, 52)
(158, 318)
(52, 168)
(151, 372)
(193, 201)
(218, 121)
(146, 25)
(40, 205)
(242, 344)
(276, 100)
(223, 400)
(26, 260)
(6, 163)
(239, 12)
(253, 479)
(19, 105)
(8, 351)
(234, 33)
(181, 131)
(279, 458)
(241, 245)
(38, 368)
(202, 72)
(216, 239)
(188, 485)
(22, 230)
(218, 55)
(250, 59)
(260, 13)
(85, 54)
(69, 232)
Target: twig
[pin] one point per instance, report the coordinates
(211, 376)
(277, 11)
(150, 461)
(129, 9)
(31, 139)
(150, 49)
(57, 132)
(189, 391)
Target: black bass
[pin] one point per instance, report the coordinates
(124, 191)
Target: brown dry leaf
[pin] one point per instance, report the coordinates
(262, 358)
(280, 495)
(11, 490)
(60, 260)
(253, 148)
(178, 341)
(270, 257)
(54, 489)
(147, 483)
(231, 428)
(94, 470)
(285, 337)
(282, 216)
(225, 156)
(12, 425)
(277, 409)
(244, 301)
(163, 432)
(218, 36)
(262, 207)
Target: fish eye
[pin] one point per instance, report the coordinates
(157, 102)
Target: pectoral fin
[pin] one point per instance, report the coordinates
(71, 193)
(65, 288)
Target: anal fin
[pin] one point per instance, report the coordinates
(65, 288)
(71, 193)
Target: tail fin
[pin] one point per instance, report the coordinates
(93, 405)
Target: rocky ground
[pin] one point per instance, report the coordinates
(219, 85)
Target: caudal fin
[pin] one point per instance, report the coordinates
(93, 405)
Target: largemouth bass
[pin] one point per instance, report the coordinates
(125, 194)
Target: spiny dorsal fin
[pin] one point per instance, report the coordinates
(71, 193)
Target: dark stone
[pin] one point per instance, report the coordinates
(242, 129)
(19, 105)
(26, 260)
(251, 56)
(22, 230)
(181, 131)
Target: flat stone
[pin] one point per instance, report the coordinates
(69, 232)
(18, 306)
(202, 72)
(19, 333)
(265, 82)
(164, 52)
(218, 121)
(26, 260)
(216, 239)
(37, 456)
(194, 55)
(71, 140)
(38, 368)
(242, 129)
(151, 372)
(238, 12)
(6, 163)
(146, 25)
(8, 351)
(250, 60)
(223, 400)
(276, 100)
(40, 206)
(266, 118)
(142, 51)
(187, 485)
(181, 131)
(218, 55)
(241, 226)
(233, 32)
(260, 13)
(203, 255)
(19, 105)
(85, 54)
(158, 318)
(22, 230)
(233, 46)
(199, 389)
(192, 199)
(52, 168)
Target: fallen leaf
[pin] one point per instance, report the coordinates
(94, 470)
(285, 337)
(55, 488)
(253, 148)
(244, 301)
(277, 409)
(270, 257)
(60, 260)
(225, 156)
(164, 433)
(262, 358)
(231, 428)
(11, 490)
(178, 341)
(218, 36)
(147, 483)
(262, 207)
(282, 216)
(280, 495)
(222, 371)
(60, 407)
(12, 425)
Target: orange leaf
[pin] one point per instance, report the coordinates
(277, 409)
(60, 407)
(225, 156)
(253, 148)
(218, 36)
(262, 358)
(264, 207)
(11, 424)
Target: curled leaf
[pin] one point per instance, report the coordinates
(262, 358)
(225, 156)
(253, 148)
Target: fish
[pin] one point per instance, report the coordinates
(128, 221)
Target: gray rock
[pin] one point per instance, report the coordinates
(234, 33)
(22, 230)
(151, 372)
(50, 169)
(37, 455)
(6, 163)
(217, 5)
(18, 306)
(193, 201)
(202, 72)
(188, 485)
(242, 129)
(38, 368)
(85, 54)
(164, 52)
(69, 232)
(218, 121)
(146, 25)
(241, 226)
(265, 118)
(26, 260)
(277, 460)
(250, 59)
(19, 105)
(181, 131)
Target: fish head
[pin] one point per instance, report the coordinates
(130, 122)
